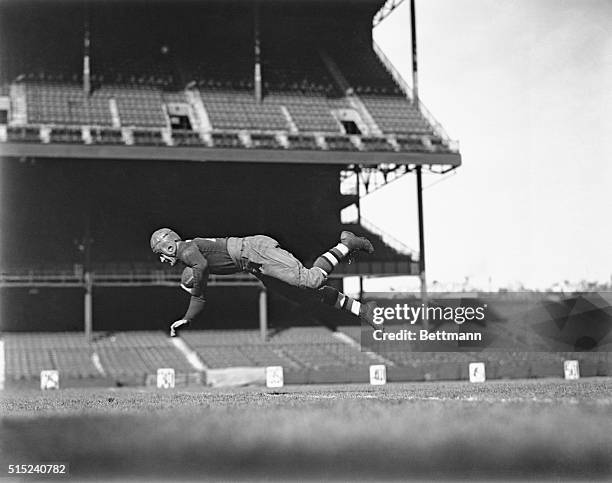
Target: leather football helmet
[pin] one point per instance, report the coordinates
(163, 243)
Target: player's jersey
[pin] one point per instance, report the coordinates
(204, 256)
(214, 250)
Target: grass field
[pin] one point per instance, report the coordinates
(455, 430)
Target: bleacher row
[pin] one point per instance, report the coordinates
(146, 106)
(156, 137)
(306, 354)
(132, 356)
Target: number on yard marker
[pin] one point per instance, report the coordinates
(165, 378)
(49, 380)
(274, 376)
(571, 370)
(477, 372)
(378, 375)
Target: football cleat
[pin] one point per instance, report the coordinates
(366, 313)
(356, 243)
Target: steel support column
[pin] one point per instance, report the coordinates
(257, 78)
(263, 313)
(88, 306)
(422, 276)
(358, 203)
(415, 80)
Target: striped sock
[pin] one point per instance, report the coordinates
(344, 302)
(328, 261)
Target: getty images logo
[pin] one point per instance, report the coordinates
(411, 314)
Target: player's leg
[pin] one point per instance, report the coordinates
(316, 276)
(338, 300)
(266, 257)
(349, 243)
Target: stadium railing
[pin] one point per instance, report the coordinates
(452, 144)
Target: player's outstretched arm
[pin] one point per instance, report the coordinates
(192, 278)
(187, 289)
(176, 325)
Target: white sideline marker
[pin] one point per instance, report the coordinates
(49, 380)
(477, 372)
(378, 375)
(165, 378)
(274, 377)
(571, 369)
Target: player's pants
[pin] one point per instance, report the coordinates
(261, 254)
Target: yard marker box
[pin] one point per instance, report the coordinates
(571, 370)
(378, 375)
(477, 372)
(49, 379)
(274, 377)
(165, 378)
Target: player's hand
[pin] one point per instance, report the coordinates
(187, 289)
(176, 325)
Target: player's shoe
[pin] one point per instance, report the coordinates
(366, 313)
(356, 243)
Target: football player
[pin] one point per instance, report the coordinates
(262, 256)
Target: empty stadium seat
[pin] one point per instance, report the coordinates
(134, 355)
(64, 103)
(396, 114)
(186, 138)
(28, 354)
(297, 348)
(265, 141)
(226, 140)
(375, 144)
(66, 135)
(302, 141)
(235, 109)
(297, 95)
(23, 134)
(340, 143)
(148, 138)
(137, 354)
(106, 136)
(140, 106)
(412, 143)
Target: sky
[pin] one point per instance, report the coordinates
(526, 88)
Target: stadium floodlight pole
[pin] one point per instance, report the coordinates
(415, 81)
(419, 179)
(257, 46)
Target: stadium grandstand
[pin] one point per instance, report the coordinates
(216, 118)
